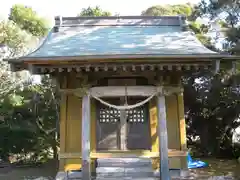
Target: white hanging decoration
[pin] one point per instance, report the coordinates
(109, 91)
(124, 107)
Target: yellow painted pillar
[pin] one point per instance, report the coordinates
(182, 124)
(153, 128)
(153, 125)
(73, 132)
(173, 122)
(182, 128)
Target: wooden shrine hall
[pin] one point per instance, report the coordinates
(122, 106)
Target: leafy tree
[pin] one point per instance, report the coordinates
(12, 37)
(227, 14)
(94, 11)
(212, 109)
(30, 118)
(27, 125)
(159, 10)
(188, 10)
(28, 20)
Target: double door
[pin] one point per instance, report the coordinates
(123, 129)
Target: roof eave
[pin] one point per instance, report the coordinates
(23, 63)
(124, 57)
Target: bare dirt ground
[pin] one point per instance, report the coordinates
(47, 170)
(217, 170)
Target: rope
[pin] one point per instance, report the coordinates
(124, 107)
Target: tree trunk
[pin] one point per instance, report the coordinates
(204, 136)
(55, 151)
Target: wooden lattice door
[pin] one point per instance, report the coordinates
(107, 127)
(138, 127)
(110, 135)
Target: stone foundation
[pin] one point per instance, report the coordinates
(78, 174)
(68, 175)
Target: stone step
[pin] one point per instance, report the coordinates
(124, 162)
(174, 173)
(123, 175)
(113, 172)
(127, 178)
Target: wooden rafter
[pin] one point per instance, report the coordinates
(45, 69)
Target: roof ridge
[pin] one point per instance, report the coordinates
(118, 17)
(120, 21)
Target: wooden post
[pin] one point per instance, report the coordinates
(86, 175)
(123, 130)
(234, 67)
(123, 127)
(217, 66)
(163, 138)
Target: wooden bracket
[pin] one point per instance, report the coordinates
(167, 91)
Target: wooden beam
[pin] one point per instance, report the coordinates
(123, 154)
(113, 91)
(86, 175)
(163, 138)
(121, 91)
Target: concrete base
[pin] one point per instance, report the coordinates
(69, 175)
(61, 176)
(78, 174)
(174, 173)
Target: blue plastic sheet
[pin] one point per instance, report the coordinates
(192, 164)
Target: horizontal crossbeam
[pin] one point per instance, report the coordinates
(120, 91)
(118, 154)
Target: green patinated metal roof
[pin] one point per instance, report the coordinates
(88, 36)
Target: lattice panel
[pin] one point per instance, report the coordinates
(107, 115)
(136, 115)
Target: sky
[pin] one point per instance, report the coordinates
(51, 8)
